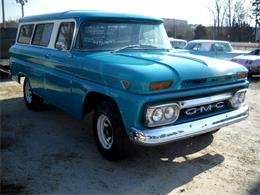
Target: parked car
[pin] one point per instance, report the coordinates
(212, 48)
(121, 67)
(177, 43)
(251, 61)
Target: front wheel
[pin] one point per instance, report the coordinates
(109, 132)
(32, 101)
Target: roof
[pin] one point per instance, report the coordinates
(173, 39)
(208, 41)
(92, 14)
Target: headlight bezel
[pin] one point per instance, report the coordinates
(149, 111)
(235, 101)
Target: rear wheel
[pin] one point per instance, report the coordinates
(32, 101)
(109, 132)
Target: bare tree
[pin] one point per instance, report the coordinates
(226, 13)
(223, 16)
(256, 12)
(229, 6)
(239, 12)
(218, 12)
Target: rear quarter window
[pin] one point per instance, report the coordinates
(42, 34)
(224, 47)
(193, 46)
(25, 33)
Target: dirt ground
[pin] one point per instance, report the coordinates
(50, 152)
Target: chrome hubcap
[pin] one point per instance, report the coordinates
(28, 92)
(104, 131)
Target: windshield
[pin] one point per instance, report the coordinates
(255, 52)
(116, 35)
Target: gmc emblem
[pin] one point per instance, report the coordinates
(205, 108)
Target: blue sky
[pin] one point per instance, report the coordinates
(195, 11)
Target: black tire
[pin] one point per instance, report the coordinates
(107, 116)
(31, 100)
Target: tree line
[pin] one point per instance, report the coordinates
(231, 21)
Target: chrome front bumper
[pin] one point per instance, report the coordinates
(176, 132)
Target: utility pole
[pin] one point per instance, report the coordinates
(3, 13)
(22, 2)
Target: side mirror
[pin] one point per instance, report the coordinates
(60, 46)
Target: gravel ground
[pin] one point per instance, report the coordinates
(50, 152)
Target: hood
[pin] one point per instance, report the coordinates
(139, 69)
(248, 57)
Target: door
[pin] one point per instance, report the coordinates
(58, 80)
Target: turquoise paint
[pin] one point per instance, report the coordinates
(65, 78)
(79, 14)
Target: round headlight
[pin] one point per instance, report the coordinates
(242, 97)
(237, 99)
(169, 113)
(172, 113)
(157, 115)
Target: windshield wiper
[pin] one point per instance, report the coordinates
(136, 46)
(126, 47)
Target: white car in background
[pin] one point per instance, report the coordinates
(251, 61)
(177, 43)
(212, 48)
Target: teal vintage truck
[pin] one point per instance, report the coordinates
(121, 66)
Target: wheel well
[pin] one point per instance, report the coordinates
(93, 99)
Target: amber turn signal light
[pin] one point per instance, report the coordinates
(241, 75)
(160, 85)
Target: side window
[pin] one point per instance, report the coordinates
(197, 46)
(42, 34)
(193, 46)
(65, 34)
(213, 48)
(25, 33)
(221, 47)
(217, 47)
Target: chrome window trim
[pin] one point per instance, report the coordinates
(18, 33)
(73, 34)
(56, 24)
(34, 34)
